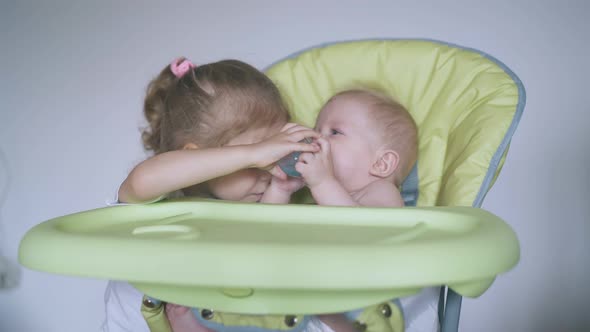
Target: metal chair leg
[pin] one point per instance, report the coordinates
(452, 312)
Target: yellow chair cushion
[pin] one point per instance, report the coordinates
(463, 102)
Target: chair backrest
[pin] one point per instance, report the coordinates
(466, 105)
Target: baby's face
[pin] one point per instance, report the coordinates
(345, 122)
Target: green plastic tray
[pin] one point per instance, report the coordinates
(276, 259)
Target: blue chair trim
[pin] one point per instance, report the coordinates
(449, 313)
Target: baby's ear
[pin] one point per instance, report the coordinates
(190, 146)
(386, 162)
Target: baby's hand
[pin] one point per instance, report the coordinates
(269, 151)
(316, 167)
(281, 187)
(285, 183)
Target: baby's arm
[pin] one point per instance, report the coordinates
(317, 170)
(331, 192)
(174, 170)
(377, 193)
(381, 193)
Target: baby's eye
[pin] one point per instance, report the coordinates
(335, 132)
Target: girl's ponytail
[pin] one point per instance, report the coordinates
(155, 107)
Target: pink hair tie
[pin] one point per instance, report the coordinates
(180, 69)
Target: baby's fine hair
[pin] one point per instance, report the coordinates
(208, 105)
(394, 124)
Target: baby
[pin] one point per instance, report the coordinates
(368, 147)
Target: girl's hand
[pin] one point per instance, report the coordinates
(316, 167)
(269, 151)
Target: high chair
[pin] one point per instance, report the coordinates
(290, 260)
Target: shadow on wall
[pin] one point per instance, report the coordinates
(9, 271)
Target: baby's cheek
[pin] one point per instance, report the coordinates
(344, 168)
(338, 158)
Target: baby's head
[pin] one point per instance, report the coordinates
(209, 105)
(371, 136)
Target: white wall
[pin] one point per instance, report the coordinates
(72, 82)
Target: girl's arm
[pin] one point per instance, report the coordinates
(175, 170)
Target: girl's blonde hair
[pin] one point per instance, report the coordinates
(208, 105)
